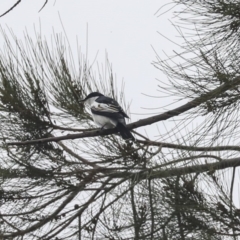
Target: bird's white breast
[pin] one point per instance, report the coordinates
(104, 122)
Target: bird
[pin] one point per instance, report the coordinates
(107, 113)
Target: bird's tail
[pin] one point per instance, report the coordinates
(125, 133)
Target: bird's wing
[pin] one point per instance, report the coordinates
(103, 107)
(106, 104)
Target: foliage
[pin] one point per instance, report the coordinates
(99, 187)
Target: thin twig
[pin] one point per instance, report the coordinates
(231, 199)
(10, 9)
(43, 5)
(135, 216)
(151, 207)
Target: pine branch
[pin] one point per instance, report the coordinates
(149, 174)
(190, 148)
(10, 9)
(144, 122)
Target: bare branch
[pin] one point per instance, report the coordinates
(149, 174)
(147, 121)
(190, 148)
(43, 5)
(10, 9)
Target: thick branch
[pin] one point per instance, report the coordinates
(143, 122)
(190, 148)
(149, 174)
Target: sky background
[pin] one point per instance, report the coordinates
(127, 31)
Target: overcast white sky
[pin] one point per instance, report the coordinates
(125, 29)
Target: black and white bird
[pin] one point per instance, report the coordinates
(107, 113)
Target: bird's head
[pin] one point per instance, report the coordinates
(91, 97)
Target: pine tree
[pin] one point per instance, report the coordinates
(63, 178)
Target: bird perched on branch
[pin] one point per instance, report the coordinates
(107, 113)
